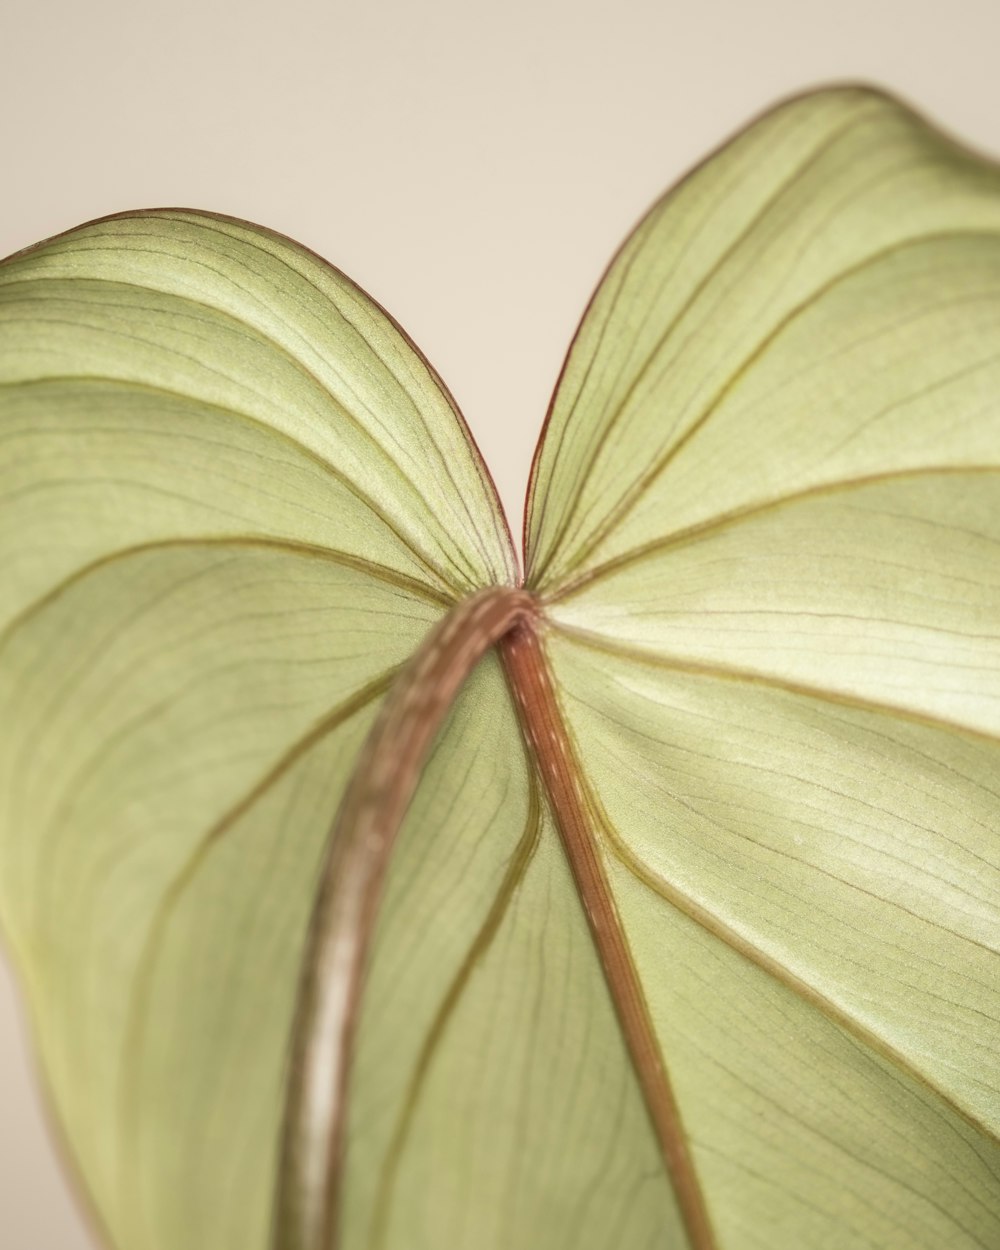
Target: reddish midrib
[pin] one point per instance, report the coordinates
(361, 841)
(531, 685)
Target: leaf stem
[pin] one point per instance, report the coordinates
(361, 841)
(362, 838)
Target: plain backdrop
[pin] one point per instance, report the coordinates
(473, 166)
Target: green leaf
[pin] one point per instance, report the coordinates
(766, 518)
(216, 557)
(363, 898)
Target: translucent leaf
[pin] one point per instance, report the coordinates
(364, 899)
(216, 558)
(765, 519)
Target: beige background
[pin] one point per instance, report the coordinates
(473, 166)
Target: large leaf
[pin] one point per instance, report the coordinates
(657, 907)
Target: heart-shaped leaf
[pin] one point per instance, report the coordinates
(363, 897)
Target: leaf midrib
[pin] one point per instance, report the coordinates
(529, 674)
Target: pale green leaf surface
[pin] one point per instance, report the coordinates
(802, 1136)
(234, 317)
(493, 1101)
(763, 526)
(885, 593)
(853, 851)
(765, 521)
(233, 501)
(816, 304)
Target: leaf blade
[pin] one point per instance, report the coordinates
(239, 318)
(763, 525)
(208, 592)
(800, 207)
